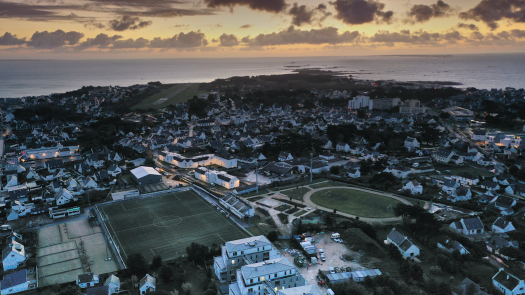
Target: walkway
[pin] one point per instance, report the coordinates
(308, 202)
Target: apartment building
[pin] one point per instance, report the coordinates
(238, 253)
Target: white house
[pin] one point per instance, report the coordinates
(470, 226)
(147, 284)
(466, 178)
(19, 281)
(405, 246)
(451, 246)
(342, 147)
(449, 186)
(113, 282)
(443, 155)
(507, 283)
(64, 197)
(502, 226)
(87, 280)
(285, 156)
(353, 173)
(414, 187)
(411, 143)
(460, 194)
(13, 255)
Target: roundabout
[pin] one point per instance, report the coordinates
(353, 202)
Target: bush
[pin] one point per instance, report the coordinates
(272, 236)
(283, 218)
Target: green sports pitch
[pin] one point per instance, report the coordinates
(165, 225)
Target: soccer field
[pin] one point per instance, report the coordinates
(167, 224)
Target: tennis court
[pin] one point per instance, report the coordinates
(167, 224)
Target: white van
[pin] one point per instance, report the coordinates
(5, 227)
(330, 292)
(336, 236)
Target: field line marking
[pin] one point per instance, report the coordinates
(152, 252)
(200, 198)
(114, 232)
(221, 238)
(149, 206)
(153, 224)
(123, 206)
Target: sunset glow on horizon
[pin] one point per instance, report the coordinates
(86, 29)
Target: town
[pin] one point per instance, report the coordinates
(264, 185)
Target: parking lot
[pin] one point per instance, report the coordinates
(333, 252)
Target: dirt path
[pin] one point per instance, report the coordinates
(308, 202)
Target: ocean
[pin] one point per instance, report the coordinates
(20, 78)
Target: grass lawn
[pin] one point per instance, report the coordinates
(296, 194)
(252, 194)
(167, 224)
(362, 204)
(177, 93)
(283, 208)
(328, 184)
(470, 169)
(299, 213)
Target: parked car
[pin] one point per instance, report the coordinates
(323, 258)
(331, 269)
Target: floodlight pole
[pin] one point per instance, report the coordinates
(311, 166)
(257, 175)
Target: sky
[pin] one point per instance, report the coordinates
(100, 29)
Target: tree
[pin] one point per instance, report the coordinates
(335, 169)
(393, 252)
(272, 236)
(137, 264)
(198, 253)
(210, 292)
(407, 212)
(166, 273)
(187, 288)
(156, 262)
(444, 115)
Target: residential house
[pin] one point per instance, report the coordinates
(468, 287)
(64, 197)
(507, 283)
(405, 246)
(353, 173)
(113, 282)
(449, 186)
(285, 156)
(466, 178)
(497, 243)
(411, 143)
(13, 255)
(100, 290)
(147, 284)
(53, 165)
(502, 226)
(451, 246)
(460, 194)
(87, 280)
(490, 185)
(414, 187)
(398, 171)
(19, 281)
(342, 147)
(516, 189)
(114, 170)
(442, 155)
(470, 226)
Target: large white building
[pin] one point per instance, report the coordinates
(19, 281)
(236, 253)
(52, 152)
(361, 102)
(13, 255)
(221, 178)
(222, 159)
(237, 205)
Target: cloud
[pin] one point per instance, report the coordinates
(263, 5)
(32, 12)
(168, 12)
(130, 44)
(471, 27)
(422, 13)
(138, 3)
(329, 35)
(55, 39)
(304, 15)
(9, 39)
(181, 26)
(356, 12)
(492, 11)
(127, 22)
(182, 40)
(247, 26)
(101, 40)
(94, 25)
(228, 40)
(418, 37)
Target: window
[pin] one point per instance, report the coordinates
(251, 281)
(262, 279)
(233, 261)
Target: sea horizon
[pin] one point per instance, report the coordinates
(35, 77)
